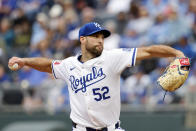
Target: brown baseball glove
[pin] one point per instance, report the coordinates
(175, 74)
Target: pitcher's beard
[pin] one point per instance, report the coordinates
(96, 51)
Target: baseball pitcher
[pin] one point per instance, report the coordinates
(93, 77)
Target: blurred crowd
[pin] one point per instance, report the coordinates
(49, 28)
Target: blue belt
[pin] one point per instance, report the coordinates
(91, 129)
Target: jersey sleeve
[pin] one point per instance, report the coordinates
(58, 69)
(122, 58)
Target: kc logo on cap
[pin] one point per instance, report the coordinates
(97, 25)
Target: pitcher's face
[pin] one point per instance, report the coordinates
(94, 44)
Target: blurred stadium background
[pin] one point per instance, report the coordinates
(34, 101)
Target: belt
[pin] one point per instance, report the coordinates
(91, 129)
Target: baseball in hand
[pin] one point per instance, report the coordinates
(14, 66)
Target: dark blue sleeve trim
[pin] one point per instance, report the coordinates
(53, 70)
(133, 57)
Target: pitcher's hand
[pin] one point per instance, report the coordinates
(16, 63)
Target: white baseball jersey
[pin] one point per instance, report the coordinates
(94, 86)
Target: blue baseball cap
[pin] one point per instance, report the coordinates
(92, 28)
